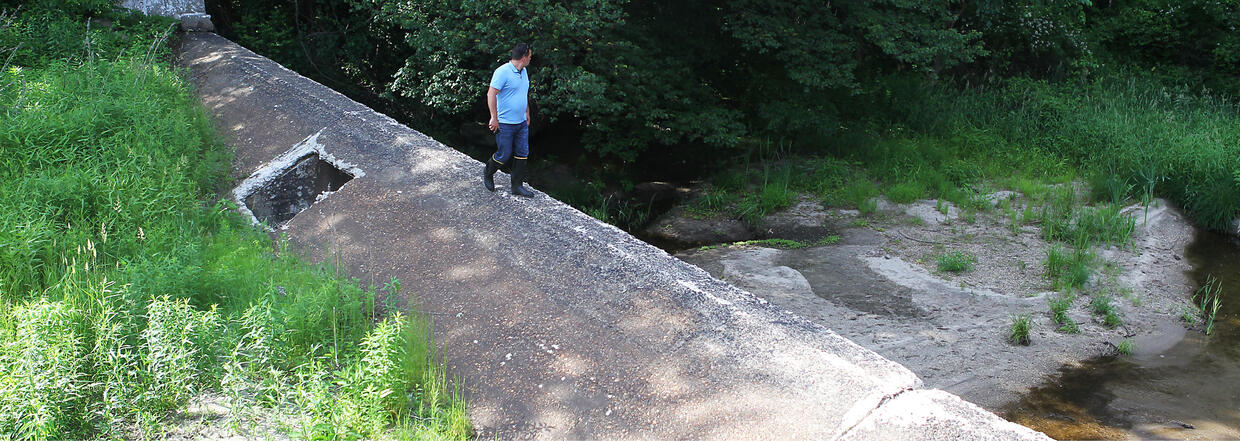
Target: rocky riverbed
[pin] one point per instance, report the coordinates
(879, 286)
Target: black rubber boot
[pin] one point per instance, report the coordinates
(488, 175)
(518, 179)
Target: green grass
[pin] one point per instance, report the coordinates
(1137, 135)
(1059, 313)
(905, 192)
(1126, 347)
(956, 262)
(1104, 305)
(859, 193)
(1208, 299)
(868, 207)
(712, 202)
(1018, 331)
(778, 243)
(126, 292)
(1068, 269)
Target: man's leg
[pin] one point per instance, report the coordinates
(521, 145)
(503, 151)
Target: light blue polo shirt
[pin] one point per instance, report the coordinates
(514, 88)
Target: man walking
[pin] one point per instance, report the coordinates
(508, 100)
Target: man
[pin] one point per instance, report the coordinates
(508, 100)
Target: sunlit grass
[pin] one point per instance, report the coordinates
(126, 292)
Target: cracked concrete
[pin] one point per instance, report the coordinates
(559, 326)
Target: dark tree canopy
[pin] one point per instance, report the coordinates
(639, 75)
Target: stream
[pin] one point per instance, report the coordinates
(1190, 391)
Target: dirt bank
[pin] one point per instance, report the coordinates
(880, 287)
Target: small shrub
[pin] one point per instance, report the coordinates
(858, 192)
(178, 350)
(731, 181)
(1111, 187)
(712, 202)
(1077, 274)
(1126, 347)
(1059, 313)
(1068, 270)
(1101, 304)
(750, 211)
(1018, 332)
(956, 262)
(1034, 191)
(1209, 301)
(1104, 305)
(868, 207)
(42, 382)
(906, 192)
(1188, 316)
(776, 196)
(1013, 222)
(1057, 261)
(829, 175)
(1111, 319)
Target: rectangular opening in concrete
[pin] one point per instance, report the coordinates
(308, 180)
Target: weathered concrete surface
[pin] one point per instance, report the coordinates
(167, 8)
(559, 326)
(192, 13)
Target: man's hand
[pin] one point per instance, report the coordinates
(493, 124)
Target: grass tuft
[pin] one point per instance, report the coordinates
(1126, 347)
(956, 262)
(1208, 301)
(1018, 332)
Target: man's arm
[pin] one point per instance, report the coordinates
(491, 103)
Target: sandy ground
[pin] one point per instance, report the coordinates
(880, 287)
(208, 417)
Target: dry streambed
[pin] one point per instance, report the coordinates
(880, 286)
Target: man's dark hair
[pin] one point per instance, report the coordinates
(521, 50)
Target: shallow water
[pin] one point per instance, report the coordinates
(1190, 391)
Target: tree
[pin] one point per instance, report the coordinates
(664, 73)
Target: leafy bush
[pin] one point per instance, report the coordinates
(905, 192)
(44, 384)
(178, 351)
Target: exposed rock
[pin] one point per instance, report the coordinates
(196, 22)
(657, 193)
(805, 221)
(1000, 195)
(680, 228)
(928, 211)
(880, 287)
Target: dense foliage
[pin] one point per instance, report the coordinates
(632, 75)
(640, 82)
(125, 292)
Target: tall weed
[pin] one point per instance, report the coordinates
(124, 292)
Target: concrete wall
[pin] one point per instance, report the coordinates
(167, 8)
(192, 13)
